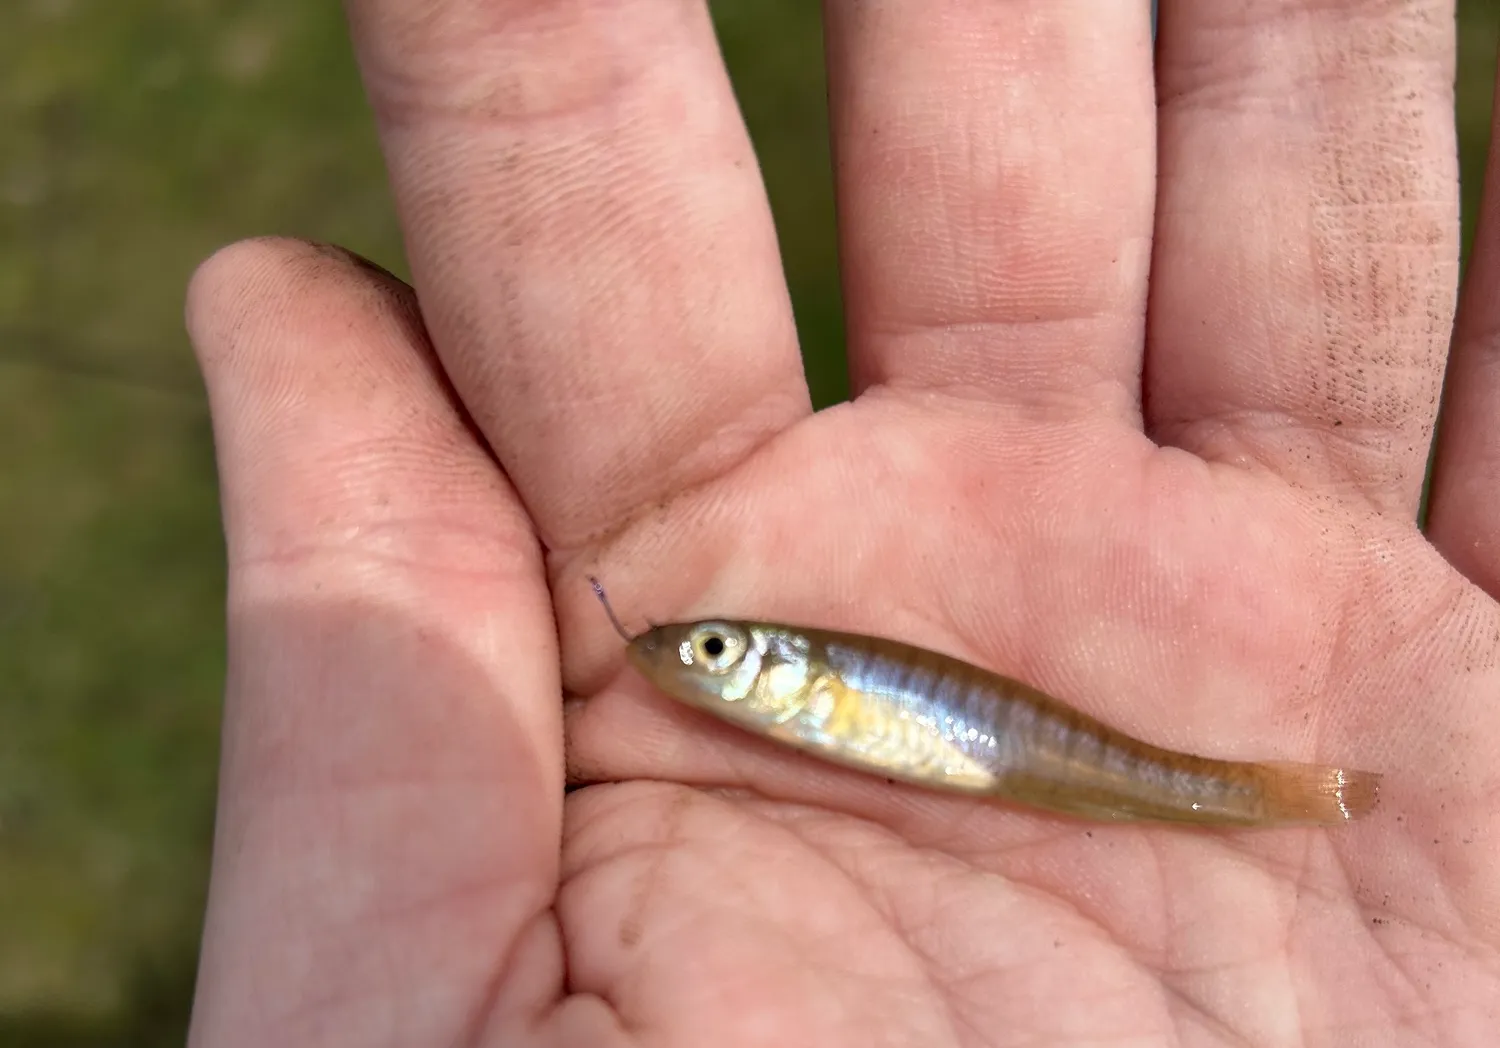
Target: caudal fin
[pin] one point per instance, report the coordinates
(1310, 793)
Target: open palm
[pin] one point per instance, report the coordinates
(1195, 520)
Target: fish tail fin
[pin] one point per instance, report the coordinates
(1311, 793)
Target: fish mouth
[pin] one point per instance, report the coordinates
(645, 649)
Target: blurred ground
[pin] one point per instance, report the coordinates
(135, 137)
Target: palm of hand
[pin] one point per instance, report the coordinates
(1252, 623)
(388, 861)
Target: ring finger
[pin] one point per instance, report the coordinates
(1306, 239)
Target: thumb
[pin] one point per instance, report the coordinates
(391, 782)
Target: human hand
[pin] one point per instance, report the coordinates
(1195, 522)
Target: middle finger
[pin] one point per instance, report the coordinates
(995, 168)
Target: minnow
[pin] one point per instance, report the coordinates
(921, 717)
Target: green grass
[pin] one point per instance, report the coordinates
(135, 137)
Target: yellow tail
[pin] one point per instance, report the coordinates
(1311, 793)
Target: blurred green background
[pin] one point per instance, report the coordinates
(135, 137)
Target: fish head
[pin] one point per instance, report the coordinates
(738, 671)
(700, 663)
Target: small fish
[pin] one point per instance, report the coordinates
(906, 713)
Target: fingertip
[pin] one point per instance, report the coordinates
(229, 281)
(259, 309)
(218, 287)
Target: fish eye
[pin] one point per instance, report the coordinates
(714, 647)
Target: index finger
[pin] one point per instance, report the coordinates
(590, 241)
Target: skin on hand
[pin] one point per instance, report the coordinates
(1187, 505)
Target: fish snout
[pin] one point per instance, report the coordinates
(648, 650)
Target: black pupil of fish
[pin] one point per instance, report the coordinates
(714, 647)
